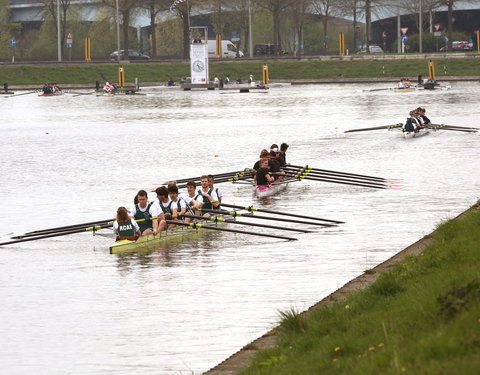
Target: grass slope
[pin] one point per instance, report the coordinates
(279, 69)
(420, 317)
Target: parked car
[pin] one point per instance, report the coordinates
(462, 45)
(268, 50)
(132, 55)
(373, 49)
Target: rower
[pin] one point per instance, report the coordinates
(263, 154)
(282, 158)
(422, 116)
(194, 200)
(108, 88)
(263, 177)
(125, 227)
(274, 165)
(143, 209)
(181, 204)
(211, 181)
(166, 205)
(210, 198)
(411, 124)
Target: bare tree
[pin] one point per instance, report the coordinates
(299, 14)
(50, 7)
(125, 8)
(325, 9)
(353, 9)
(154, 8)
(276, 7)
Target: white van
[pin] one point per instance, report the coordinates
(229, 50)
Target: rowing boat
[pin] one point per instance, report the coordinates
(58, 93)
(416, 134)
(152, 241)
(404, 89)
(272, 189)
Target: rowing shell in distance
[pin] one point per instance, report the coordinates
(58, 93)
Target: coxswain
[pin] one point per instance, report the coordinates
(411, 125)
(153, 221)
(125, 227)
(263, 179)
(210, 198)
(166, 205)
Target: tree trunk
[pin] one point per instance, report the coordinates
(126, 22)
(153, 29)
(450, 24)
(186, 35)
(368, 23)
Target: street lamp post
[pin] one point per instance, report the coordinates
(420, 28)
(250, 39)
(117, 20)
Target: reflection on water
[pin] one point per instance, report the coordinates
(191, 304)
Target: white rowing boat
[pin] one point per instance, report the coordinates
(416, 134)
(272, 189)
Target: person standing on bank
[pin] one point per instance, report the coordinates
(125, 227)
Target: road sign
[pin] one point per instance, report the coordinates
(235, 37)
(13, 42)
(69, 39)
(404, 38)
(437, 33)
(384, 35)
(69, 45)
(404, 30)
(437, 26)
(446, 38)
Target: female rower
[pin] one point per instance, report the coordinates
(262, 177)
(125, 227)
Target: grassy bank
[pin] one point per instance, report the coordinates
(279, 70)
(420, 317)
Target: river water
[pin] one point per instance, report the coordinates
(68, 306)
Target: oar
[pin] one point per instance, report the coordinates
(345, 173)
(453, 126)
(454, 129)
(333, 174)
(202, 225)
(23, 93)
(81, 93)
(382, 89)
(91, 229)
(229, 174)
(329, 178)
(374, 128)
(66, 227)
(342, 182)
(236, 213)
(281, 213)
(219, 219)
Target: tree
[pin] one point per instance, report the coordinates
(325, 9)
(125, 8)
(275, 7)
(352, 8)
(51, 7)
(154, 8)
(299, 13)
